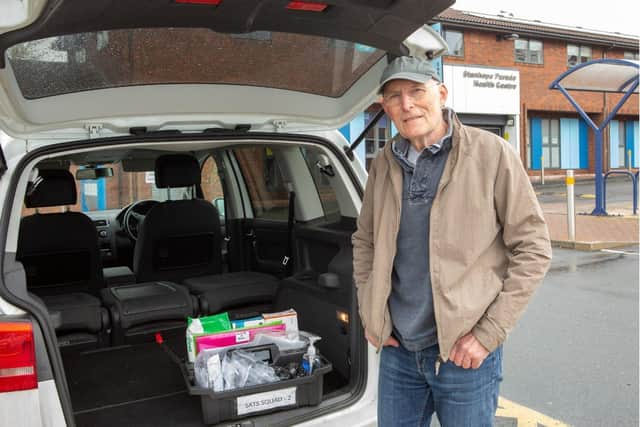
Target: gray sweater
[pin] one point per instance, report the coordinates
(411, 300)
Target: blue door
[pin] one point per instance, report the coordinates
(536, 142)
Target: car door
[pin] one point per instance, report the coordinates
(264, 236)
(250, 64)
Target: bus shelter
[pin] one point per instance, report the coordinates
(600, 75)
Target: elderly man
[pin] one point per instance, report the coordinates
(451, 244)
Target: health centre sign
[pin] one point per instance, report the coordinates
(483, 90)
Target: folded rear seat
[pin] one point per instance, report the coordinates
(243, 292)
(79, 317)
(179, 241)
(139, 310)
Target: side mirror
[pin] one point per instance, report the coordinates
(219, 204)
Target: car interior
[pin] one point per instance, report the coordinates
(121, 244)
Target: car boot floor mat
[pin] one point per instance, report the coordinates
(139, 385)
(173, 410)
(113, 376)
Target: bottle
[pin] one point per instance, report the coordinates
(310, 358)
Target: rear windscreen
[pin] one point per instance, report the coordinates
(107, 59)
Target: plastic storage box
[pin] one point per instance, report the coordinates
(257, 400)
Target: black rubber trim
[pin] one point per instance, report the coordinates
(234, 172)
(3, 163)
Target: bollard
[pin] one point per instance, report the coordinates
(571, 209)
(542, 170)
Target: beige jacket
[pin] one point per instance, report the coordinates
(489, 246)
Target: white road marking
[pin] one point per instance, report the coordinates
(613, 251)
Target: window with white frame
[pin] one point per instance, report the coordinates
(551, 143)
(622, 149)
(376, 138)
(578, 54)
(455, 41)
(631, 55)
(528, 51)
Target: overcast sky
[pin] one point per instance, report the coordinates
(611, 15)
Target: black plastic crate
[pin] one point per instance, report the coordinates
(257, 400)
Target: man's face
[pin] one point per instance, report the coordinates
(415, 108)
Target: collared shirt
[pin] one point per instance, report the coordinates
(411, 300)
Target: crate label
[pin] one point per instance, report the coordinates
(243, 337)
(267, 400)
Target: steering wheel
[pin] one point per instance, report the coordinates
(134, 216)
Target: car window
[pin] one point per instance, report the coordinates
(212, 185)
(117, 191)
(268, 187)
(106, 59)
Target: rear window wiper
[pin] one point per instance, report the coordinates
(238, 128)
(142, 130)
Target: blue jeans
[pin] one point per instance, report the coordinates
(409, 391)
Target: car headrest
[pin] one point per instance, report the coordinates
(177, 170)
(53, 187)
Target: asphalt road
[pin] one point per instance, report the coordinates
(574, 354)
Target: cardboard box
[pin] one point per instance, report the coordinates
(288, 317)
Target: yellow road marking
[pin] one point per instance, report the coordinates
(526, 417)
(587, 196)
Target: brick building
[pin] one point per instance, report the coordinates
(498, 73)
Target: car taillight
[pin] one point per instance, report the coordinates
(17, 357)
(307, 6)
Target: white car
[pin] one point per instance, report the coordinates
(169, 159)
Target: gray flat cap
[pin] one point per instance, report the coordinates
(408, 68)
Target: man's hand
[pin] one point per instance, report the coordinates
(390, 341)
(468, 352)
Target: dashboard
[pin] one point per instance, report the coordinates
(116, 248)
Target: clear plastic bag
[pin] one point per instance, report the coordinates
(285, 341)
(243, 369)
(228, 368)
(308, 337)
(208, 368)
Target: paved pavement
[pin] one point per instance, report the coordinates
(619, 228)
(593, 232)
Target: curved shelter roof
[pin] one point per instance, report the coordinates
(600, 75)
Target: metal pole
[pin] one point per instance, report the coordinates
(571, 208)
(629, 159)
(634, 181)
(542, 170)
(599, 209)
